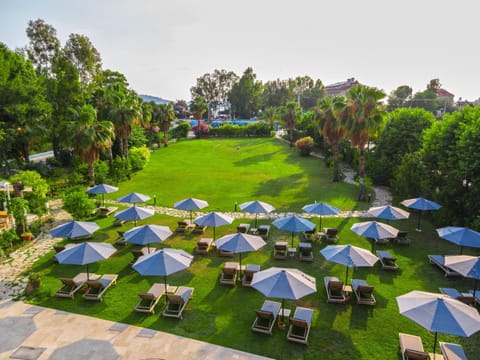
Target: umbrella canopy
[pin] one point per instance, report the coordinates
(102, 189)
(133, 198)
(321, 209)
(284, 283)
(240, 243)
(420, 204)
(147, 234)
(256, 207)
(85, 253)
(388, 212)
(350, 256)
(461, 236)
(163, 262)
(293, 224)
(374, 230)
(190, 204)
(74, 229)
(213, 219)
(439, 313)
(134, 213)
(468, 266)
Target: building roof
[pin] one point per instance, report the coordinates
(340, 87)
(444, 93)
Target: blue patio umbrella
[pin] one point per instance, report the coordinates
(468, 266)
(134, 213)
(190, 204)
(213, 219)
(439, 313)
(133, 198)
(321, 209)
(256, 207)
(388, 212)
(294, 224)
(420, 204)
(163, 262)
(284, 283)
(74, 229)
(239, 243)
(147, 234)
(374, 230)
(102, 189)
(85, 253)
(350, 256)
(461, 236)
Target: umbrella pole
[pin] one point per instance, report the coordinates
(213, 230)
(474, 287)
(103, 199)
(256, 217)
(292, 239)
(283, 310)
(191, 215)
(418, 223)
(240, 254)
(434, 344)
(320, 224)
(88, 277)
(461, 250)
(346, 277)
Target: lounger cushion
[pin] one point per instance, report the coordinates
(416, 355)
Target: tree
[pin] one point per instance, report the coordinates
(198, 107)
(332, 113)
(365, 113)
(270, 115)
(276, 93)
(400, 97)
(245, 95)
(40, 188)
(164, 114)
(90, 137)
(290, 114)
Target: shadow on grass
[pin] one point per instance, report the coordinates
(255, 159)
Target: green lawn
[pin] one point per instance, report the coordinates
(223, 315)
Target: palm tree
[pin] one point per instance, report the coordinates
(332, 114)
(291, 112)
(270, 115)
(89, 137)
(365, 114)
(166, 114)
(198, 107)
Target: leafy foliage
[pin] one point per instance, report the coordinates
(181, 130)
(305, 145)
(77, 203)
(40, 188)
(138, 157)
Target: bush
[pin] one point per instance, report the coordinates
(138, 157)
(78, 204)
(120, 170)
(305, 145)
(203, 129)
(137, 137)
(101, 172)
(181, 130)
(253, 129)
(40, 188)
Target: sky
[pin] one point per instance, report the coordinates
(162, 47)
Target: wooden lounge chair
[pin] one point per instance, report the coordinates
(452, 351)
(120, 240)
(331, 235)
(118, 222)
(411, 347)
(203, 246)
(184, 226)
(250, 269)
(309, 235)
(139, 252)
(266, 317)
(300, 325)
(106, 211)
(149, 299)
(439, 260)
(71, 286)
(466, 298)
(96, 288)
(243, 228)
(388, 261)
(197, 229)
(229, 273)
(305, 252)
(177, 302)
(402, 238)
(477, 296)
(334, 288)
(280, 250)
(363, 292)
(263, 231)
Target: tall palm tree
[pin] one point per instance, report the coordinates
(89, 137)
(291, 112)
(198, 107)
(166, 115)
(331, 114)
(365, 114)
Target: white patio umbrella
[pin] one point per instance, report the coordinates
(284, 283)
(133, 198)
(74, 229)
(190, 204)
(147, 234)
(461, 236)
(213, 219)
(257, 207)
(102, 189)
(350, 256)
(294, 224)
(134, 213)
(321, 209)
(468, 266)
(439, 313)
(374, 230)
(388, 212)
(420, 204)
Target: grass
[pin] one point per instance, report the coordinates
(223, 315)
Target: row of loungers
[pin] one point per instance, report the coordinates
(96, 286)
(177, 299)
(337, 292)
(411, 347)
(439, 261)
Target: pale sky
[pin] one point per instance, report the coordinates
(162, 47)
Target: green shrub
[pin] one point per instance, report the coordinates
(120, 170)
(40, 188)
(7, 238)
(137, 137)
(138, 157)
(181, 130)
(78, 204)
(101, 172)
(305, 145)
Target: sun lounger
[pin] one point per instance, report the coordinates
(402, 238)
(250, 269)
(280, 250)
(243, 228)
(266, 317)
(388, 261)
(477, 295)
(199, 229)
(452, 351)
(439, 260)
(203, 246)
(149, 299)
(117, 222)
(263, 231)
(305, 252)
(229, 273)
(309, 235)
(184, 226)
(139, 252)
(120, 240)
(334, 288)
(96, 288)
(300, 325)
(106, 211)
(411, 347)
(331, 235)
(363, 292)
(71, 286)
(466, 298)
(177, 302)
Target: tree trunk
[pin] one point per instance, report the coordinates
(290, 133)
(361, 173)
(91, 174)
(56, 147)
(336, 177)
(25, 152)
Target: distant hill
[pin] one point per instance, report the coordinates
(155, 99)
